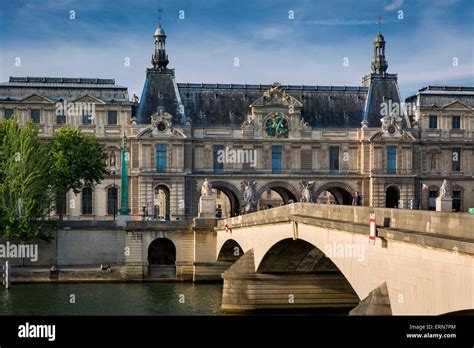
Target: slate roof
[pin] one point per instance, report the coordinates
(228, 104)
(438, 96)
(66, 88)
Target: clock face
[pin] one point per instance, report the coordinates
(277, 126)
(161, 126)
(392, 130)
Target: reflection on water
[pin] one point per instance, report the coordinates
(112, 299)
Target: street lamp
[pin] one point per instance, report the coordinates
(116, 194)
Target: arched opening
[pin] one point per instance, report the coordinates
(161, 259)
(161, 204)
(298, 256)
(392, 196)
(223, 204)
(227, 201)
(335, 193)
(162, 252)
(457, 199)
(432, 194)
(312, 273)
(231, 251)
(275, 196)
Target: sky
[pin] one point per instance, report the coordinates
(311, 42)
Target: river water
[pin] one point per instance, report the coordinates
(111, 299)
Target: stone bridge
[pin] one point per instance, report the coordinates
(318, 256)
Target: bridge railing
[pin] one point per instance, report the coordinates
(457, 225)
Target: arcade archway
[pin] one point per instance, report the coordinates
(335, 193)
(392, 196)
(227, 199)
(275, 194)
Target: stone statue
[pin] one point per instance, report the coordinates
(307, 192)
(249, 196)
(445, 190)
(206, 189)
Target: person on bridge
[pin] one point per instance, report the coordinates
(357, 199)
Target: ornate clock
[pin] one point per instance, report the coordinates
(277, 126)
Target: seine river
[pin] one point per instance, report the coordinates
(111, 299)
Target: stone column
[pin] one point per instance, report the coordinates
(124, 211)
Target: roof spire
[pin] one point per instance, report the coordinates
(160, 13)
(379, 21)
(379, 64)
(159, 59)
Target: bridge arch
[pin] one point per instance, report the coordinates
(397, 263)
(285, 190)
(230, 251)
(341, 191)
(232, 193)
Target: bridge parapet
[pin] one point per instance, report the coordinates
(457, 225)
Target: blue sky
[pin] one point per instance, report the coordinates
(270, 46)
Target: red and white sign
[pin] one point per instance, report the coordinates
(372, 228)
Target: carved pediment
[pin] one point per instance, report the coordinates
(88, 99)
(276, 96)
(456, 105)
(36, 98)
(161, 126)
(391, 129)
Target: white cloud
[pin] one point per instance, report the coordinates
(418, 58)
(394, 5)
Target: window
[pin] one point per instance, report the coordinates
(112, 194)
(86, 117)
(87, 201)
(161, 157)
(218, 152)
(60, 119)
(61, 203)
(8, 113)
(276, 158)
(457, 200)
(112, 117)
(456, 122)
(35, 115)
(334, 159)
(456, 160)
(306, 159)
(433, 122)
(391, 160)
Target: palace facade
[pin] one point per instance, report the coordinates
(290, 143)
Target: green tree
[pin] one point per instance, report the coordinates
(25, 190)
(77, 160)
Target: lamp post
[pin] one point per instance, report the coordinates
(116, 195)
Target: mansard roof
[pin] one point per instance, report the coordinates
(65, 88)
(438, 96)
(228, 104)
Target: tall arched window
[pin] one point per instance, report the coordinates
(112, 194)
(87, 201)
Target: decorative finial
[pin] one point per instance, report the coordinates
(160, 12)
(379, 21)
